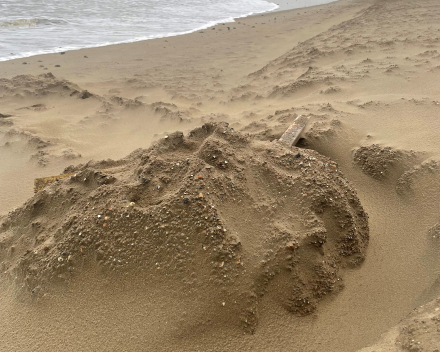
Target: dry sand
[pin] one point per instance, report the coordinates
(274, 251)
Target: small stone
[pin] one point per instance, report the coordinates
(223, 304)
(99, 216)
(200, 195)
(200, 177)
(60, 259)
(85, 94)
(57, 66)
(185, 200)
(132, 204)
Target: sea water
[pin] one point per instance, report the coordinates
(31, 27)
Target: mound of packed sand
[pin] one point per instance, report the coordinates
(418, 332)
(214, 208)
(379, 162)
(37, 86)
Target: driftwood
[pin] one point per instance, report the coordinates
(293, 133)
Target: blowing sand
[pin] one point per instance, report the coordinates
(219, 238)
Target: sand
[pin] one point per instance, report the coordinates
(365, 71)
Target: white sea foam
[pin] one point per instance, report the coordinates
(26, 22)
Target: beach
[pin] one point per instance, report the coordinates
(225, 239)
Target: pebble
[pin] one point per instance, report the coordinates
(131, 204)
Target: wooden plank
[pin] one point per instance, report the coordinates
(42, 182)
(293, 133)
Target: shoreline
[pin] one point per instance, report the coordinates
(282, 5)
(286, 5)
(9, 69)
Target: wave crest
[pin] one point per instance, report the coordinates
(31, 22)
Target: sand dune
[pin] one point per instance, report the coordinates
(291, 268)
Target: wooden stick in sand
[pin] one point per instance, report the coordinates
(292, 134)
(42, 182)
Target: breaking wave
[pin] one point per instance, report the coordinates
(31, 22)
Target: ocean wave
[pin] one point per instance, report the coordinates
(25, 37)
(31, 22)
(133, 40)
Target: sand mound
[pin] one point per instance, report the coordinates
(41, 85)
(215, 207)
(379, 162)
(419, 331)
(424, 174)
